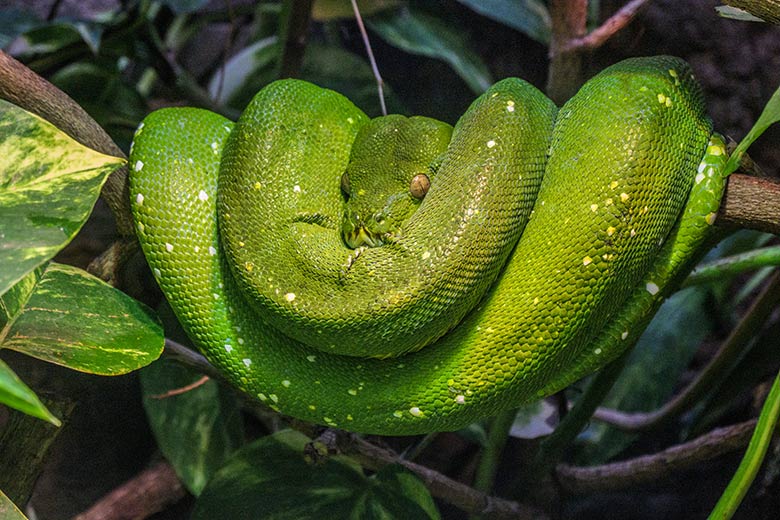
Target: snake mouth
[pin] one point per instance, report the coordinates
(362, 237)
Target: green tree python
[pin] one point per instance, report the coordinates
(397, 275)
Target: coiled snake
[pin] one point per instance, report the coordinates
(399, 276)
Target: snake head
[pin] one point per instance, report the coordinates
(391, 166)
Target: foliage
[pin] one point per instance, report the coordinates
(119, 65)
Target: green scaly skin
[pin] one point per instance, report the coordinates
(614, 226)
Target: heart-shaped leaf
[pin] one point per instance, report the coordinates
(73, 319)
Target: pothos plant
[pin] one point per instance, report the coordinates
(54, 161)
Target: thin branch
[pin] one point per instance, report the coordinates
(182, 389)
(649, 468)
(605, 31)
(440, 486)
(374, 68)
(149, 492)
(192, 359)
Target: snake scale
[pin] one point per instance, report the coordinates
(397, 275)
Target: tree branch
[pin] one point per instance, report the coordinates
(605, 31)
(648, 468)
(564, 75)
(752, 203)
(149, 492)
(451, 491)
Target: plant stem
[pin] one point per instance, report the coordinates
(491, 455)
(293, 33)
(732, 265)
(754, 456)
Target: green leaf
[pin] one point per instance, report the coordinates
(15, 394)
(768, 117)
(270, 479)
(196, 430)
(73, 319)
(48, 185)
(8, 510)
(530, 17)
(419, 33)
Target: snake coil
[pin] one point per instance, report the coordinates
(543, 243)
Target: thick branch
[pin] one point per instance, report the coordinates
(24, 88)
(751, 202)
(149, 492)
(564, 76)
(649, 468)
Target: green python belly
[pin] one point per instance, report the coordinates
(541, 244)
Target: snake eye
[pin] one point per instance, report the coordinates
(345, 185)
(419, 186)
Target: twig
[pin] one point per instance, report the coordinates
(182, 389)
(605, 31)
(374, 68)
(648, 468)
(440, 486)
(149, 492)
(732, 348)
